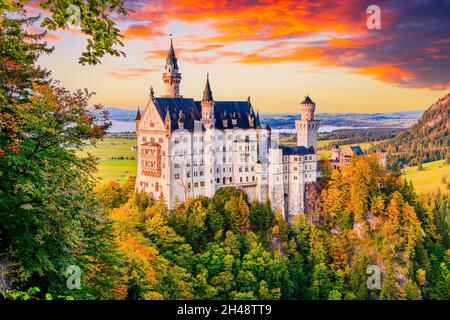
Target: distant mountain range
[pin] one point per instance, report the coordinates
(401, 119)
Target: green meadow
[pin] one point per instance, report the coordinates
(431, 178)
(112, 148)
(115, 170)
(116, 159)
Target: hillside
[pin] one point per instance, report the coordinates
(427, 140)
(434, 177)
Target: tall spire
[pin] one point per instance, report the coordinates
(138, 114)
(171, 75)
(167, 119)
(171, 58)
(257, 121)
(207, 93)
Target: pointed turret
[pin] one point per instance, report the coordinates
(207, 93)
(171, 75)
(138, 119)
(207, 104)
(171, 58)
(167, 116)
(138, 115)
(257, 121)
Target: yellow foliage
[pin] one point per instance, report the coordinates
(275, 230)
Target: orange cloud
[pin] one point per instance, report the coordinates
(409, 50)
(52, 37)
(387, 72)
(131, 72)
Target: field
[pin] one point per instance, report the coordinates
(109, 148)
(430, 179)
(115, 170)
(117, 160)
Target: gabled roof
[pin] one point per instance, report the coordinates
(297, 150)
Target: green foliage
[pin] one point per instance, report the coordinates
(131, 247)
(93, 18)
(427, 140)
(49, 216)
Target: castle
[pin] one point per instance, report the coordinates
(342, 158)
(188, 148)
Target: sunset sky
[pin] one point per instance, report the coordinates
(274, 51)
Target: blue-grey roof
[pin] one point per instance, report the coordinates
(297, 150)
(357, 150)
(229, 109)
(188, 107)
(191, 110)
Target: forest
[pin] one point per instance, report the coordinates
(427, 140)
(54, 215)
(355, 136)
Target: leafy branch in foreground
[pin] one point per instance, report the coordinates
(93, 18)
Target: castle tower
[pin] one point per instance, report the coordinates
(207, 105)
(171, 75)
(383, 158)
(335, 153)
(307, 127)
(138, 119)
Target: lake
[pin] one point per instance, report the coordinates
(124, 126)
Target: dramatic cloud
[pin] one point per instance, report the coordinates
(412, 48)
(131, 72)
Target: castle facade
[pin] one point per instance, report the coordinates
(188, 148)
